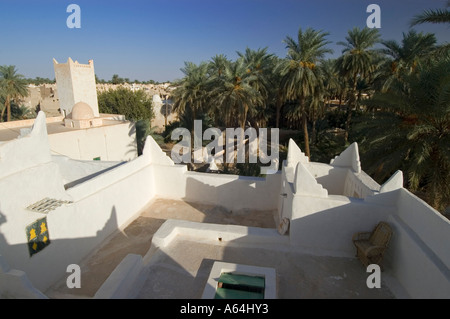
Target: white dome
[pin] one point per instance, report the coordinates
(82, 111)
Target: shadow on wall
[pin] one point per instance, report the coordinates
(133, 146)
(88, 177)
(234, 193)
(163, 278)
(330, 228)
(46, 267)
(334, 181)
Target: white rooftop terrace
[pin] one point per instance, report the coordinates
(170, 249)
(149, 207)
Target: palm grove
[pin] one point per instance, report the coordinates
(394, 100)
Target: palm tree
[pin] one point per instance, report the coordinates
(433, 16)
(21, 112)
(275, 93)
(300, 72)
(192, 90)
(332, 82)
(407, 56)
(412, 131)
(218, 65)
(13, 87)
(233, 94)
(357, 61)
(259, 65)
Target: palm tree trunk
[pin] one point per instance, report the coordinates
(278, 111)
(8, 108)
(305, 132)
(193, 136)
(314, 119)
(244, 117)
(314, 133)
(305, 126)
(351, 104)
(3, 113)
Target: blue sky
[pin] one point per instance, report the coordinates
(152, 39)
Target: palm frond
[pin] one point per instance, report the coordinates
(431, 16)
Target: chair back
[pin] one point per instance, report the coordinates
(381, 234)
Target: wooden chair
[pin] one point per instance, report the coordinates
(370, 246)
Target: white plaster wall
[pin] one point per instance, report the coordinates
(418, 255)
(15, 284)
(18, 191)
(27, 151)
(342, 180)
(84, 88)
(325, 223)
(328, 224)
(99, 206)
(414, 265)
(359, 185)
(427, 223)
(231, 191)
(331, 178)
(110, 142)
(27, 175)
(64, 87)
(77, 170)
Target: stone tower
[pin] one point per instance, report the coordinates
(76, 83)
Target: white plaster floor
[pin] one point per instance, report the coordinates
(181, 269)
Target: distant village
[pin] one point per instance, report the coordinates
(45, 96)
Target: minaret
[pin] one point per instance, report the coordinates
(76, 83)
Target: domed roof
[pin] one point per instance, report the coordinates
(82, 111)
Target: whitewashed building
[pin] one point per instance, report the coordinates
(55, 210)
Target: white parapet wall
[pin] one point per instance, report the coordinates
(230, 191)
(125, 281)
(15, 284)
(417, 257)
(87, 213)
(326, 225)
(114, 142)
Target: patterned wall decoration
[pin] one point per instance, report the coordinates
(37, 236)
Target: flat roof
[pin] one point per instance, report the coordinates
(181, 269)
(12, 130)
